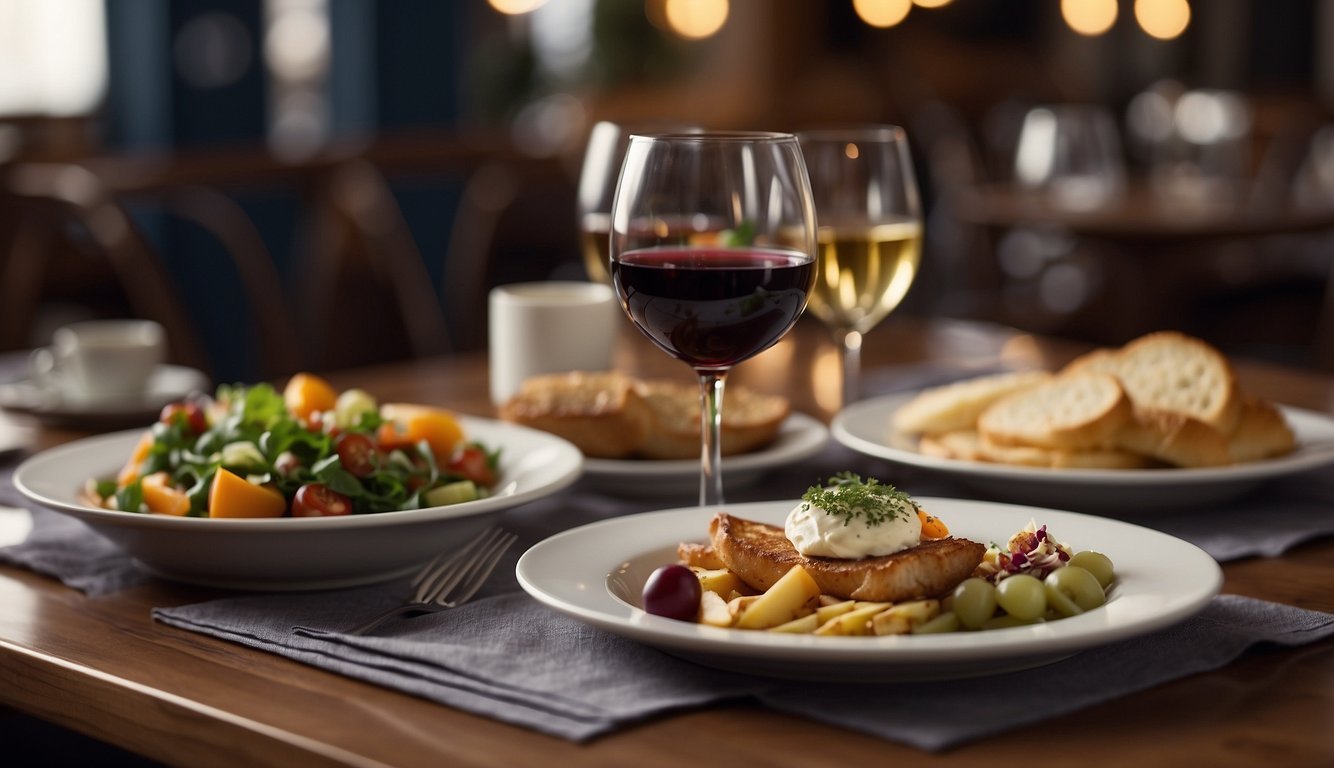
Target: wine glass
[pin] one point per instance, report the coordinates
(870, 235)
(1073, 153)
(597, 186)
(713, 255)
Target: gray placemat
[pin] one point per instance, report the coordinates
(510, 658)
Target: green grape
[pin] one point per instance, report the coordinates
(1022, 596)
(1076, 584)
(1097, 564)
(1061, 604)
(974, 602)
(944, 622)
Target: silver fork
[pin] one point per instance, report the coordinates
(451, 579)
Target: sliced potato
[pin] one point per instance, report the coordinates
(721, 581)
(827, 612)
(782, 603)
(713, 610)
(854, 622)
(902, 618)
(799, 626)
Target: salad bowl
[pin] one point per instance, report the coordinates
(290, 553)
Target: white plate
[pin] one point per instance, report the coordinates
(865, 427)
(800, 437)
(595, 574)
(297, 553)
(168, 383)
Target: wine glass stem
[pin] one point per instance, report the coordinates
(711, 448)
(851, 343)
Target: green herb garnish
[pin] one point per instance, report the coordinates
(740, 236)
(847, 496)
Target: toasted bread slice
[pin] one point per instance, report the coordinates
(751, 420)
(1173, 372)
(1174, 438)
(1074, 411)
(957, 405)
(968, 445)
(600, 412)
(962, 444)
(1261, 433)
(760, 554)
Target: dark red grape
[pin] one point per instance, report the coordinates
(672, 591)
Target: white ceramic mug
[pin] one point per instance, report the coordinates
(101, 359)
(550, 327)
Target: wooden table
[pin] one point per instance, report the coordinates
(101, 666)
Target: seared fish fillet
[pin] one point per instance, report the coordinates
(760, 554)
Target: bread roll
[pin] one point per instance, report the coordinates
(751, 420)
(1261, 432)
(601, 413)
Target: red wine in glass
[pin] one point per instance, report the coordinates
(713, 307)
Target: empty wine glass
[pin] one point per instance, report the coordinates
(1072, 152)
(870, 235)
(597, 186)
(713, 255)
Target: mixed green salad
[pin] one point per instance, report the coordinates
(252, 451)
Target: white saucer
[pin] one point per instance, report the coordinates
(51, 406)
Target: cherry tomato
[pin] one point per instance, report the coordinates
(319, 500)
(357, 453)
(471, 463)
(673, 591)
(186, 412)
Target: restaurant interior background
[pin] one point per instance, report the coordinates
(317, 183)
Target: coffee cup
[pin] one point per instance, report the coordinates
(101, 359)
(549, 327)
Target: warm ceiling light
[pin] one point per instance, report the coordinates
(882, 13)
(1163, 19)
(516, 7)
(1089, 17)
(931, 3)
(696, 19)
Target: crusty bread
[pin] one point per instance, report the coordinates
(609, 415)
(968, 445)
(957, 405)
(1174, 438)
(962, 444)
(760, 554)
(1173, 372)
(1075, 411)
(1261, 432)
(600, 412)
(751, 420)
(1186, 410)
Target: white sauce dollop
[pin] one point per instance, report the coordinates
(816, 533)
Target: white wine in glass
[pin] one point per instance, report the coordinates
(601, 168)
(870, 233)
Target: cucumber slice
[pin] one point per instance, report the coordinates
(451, 493)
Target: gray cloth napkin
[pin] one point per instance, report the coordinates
(512, 659)
(66, 549)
